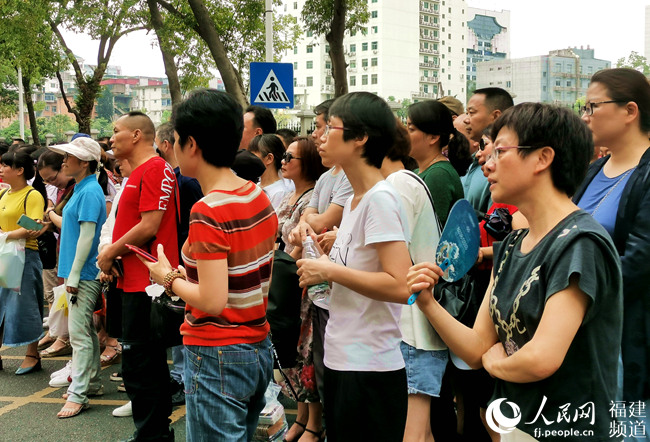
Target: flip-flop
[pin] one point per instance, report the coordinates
(74, 411)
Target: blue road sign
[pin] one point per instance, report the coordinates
(272, 85)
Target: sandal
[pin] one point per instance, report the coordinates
(73, 411)
(318, 434)
(107, 360)
(63, 351)
(304, 428)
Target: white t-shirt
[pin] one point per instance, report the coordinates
(330, 189)
(363, 334)
(425, 234)
(278, 190)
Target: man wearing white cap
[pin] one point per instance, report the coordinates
(81, 223)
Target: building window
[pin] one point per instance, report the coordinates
(569, 68)
(558, 67)
(426, 18)
(353, 64)
(295, 65)
(353, 48)
(328, 64)
(373, 61)
(353, 33)
(373, 14)
(310, 81)
(364, 63)
(374, 45)
(364, 46)
(310, 34)
(353, 80)
(295, 49)
(310, 64)
(435, 33)
(373, 79)
(327, 49)
(328, 80)
(568, 83)
(558, 83)
(426, 45)
(310, 49)
(426, 58)
(425, 88)
(364, 80)
(508, 83)
(449, 63)
(426, 73)
(375, 29)
(295, 5)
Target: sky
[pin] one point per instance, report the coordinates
(613, 29)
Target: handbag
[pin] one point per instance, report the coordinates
(283, 310)
(47, 250)
(167, 316)
(462, 298)
(498, 224)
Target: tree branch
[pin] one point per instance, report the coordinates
(65, 98)
(170, 8)
(68, 52)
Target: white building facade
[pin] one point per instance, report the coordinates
(408, 50)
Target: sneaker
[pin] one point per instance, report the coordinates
(65, 371)
(46, 322)
(125, 410)
(61, 381)
(97, 392)
(121, 388)
(116, 377)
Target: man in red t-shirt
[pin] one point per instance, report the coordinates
(146, 217)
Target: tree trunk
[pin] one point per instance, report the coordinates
(208, 32)
(167, 53)
(30, 110)
(337, 53)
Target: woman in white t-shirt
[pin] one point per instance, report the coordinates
(365, 379)
(270, 149)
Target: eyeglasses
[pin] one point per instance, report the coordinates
(51, 180)
(496, 152)
(288, 156)
(328, 128)
(588, 108)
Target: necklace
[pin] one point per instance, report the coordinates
(432, 161)
(611, 190)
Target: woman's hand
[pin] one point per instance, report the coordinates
(300, 233)
(495, 354)
(422, 278)
(326, 240)
(158, 270)
(313, 271)
(71, 290)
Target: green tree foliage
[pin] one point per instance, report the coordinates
(104, 106)
(104, 126)
(332, 18)
(8, 92)
(56, 125)
(634, 61)
(103, 20)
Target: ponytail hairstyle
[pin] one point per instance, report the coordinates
(102, 179)
(268, 144)
(433, 118)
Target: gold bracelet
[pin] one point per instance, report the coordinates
(169, 279)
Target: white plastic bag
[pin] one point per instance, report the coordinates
(58, 316)
(12, 262)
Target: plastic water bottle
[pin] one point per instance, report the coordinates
(319, 293)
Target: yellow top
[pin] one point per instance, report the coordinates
(12, 205)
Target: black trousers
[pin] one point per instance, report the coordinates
(365, 405)
(145, 371)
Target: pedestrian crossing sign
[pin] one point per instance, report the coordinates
(272, 85)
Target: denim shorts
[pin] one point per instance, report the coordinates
(424, 369)
(224, 390)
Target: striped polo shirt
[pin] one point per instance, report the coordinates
(239, 226)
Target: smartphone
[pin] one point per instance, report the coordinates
(28, 223)
(141, 252)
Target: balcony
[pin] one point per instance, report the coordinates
(428, 79)
(327, 88)
(423, 50)
(428, 9)
(428, 64)
(424, 95)
(429, 38)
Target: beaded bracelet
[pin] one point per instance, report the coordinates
(169, 280)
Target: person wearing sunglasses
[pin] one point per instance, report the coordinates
(270, 149)
(616, 192)
(549, 327)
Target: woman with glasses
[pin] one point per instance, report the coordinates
(302, 165)
(616, 193)
(431, 128)
(549, 327)
(83, 216)
(270, 149)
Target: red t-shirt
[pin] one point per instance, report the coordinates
(151, 186)
(488, 240)
(239, 226)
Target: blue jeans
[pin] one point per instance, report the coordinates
(224, 390)
(85, 343)
(178, 359)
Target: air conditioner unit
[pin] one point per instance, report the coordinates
(374, 51)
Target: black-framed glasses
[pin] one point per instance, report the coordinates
(51, 180)
(588, 108)
(288, 156)
(496, 152)
(328, 128)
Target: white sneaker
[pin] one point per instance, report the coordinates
(61, 381)
(46, 322)
(125, 410)
(67, 371)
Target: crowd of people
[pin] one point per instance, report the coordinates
(558, 317)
